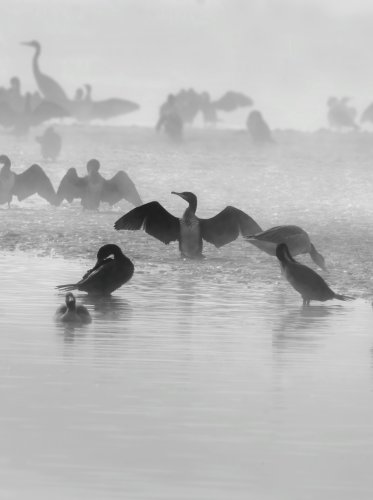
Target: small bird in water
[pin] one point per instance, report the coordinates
(296, 238)
(305, 280)
(70, 312)
(107, 275)
(189, 230)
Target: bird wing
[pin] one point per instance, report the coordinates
(47, 110)
(277, 234)
(111, 107)
(227, 225)
(71, 186)
(34, 180)
(118, 187)
(232, 100)
(154, 219)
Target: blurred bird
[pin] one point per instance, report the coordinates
(50, 143)
(189, 230)
(32, 181)
(258, 128)
(170, 119)
(50, 89)
(93, 188)
(70, 312)
(232, 100)
(296, 239)
(305, 280)
(107, 275)
(340, 114)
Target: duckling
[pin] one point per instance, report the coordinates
(296, 238)
(107, 275)
(305, 280)
(70, 312)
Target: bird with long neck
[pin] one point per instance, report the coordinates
(189, 230)
(50, 89)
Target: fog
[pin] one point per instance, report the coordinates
(289, 56)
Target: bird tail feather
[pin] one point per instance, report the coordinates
(343, 297)
(67, 288)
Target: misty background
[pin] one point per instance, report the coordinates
(288, 55)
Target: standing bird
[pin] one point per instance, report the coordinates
(51, 90)
(189, 230)
(107, 275)
(50, 143)
(296, 239)
(258, 128)
(305, 280)
(32, 181)
(70, 312)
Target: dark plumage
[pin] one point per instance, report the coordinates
(305, 280)
(189, 230)
(32, 181)
(70, 312)
(107, 275)
(94, 189)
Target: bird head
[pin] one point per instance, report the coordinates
(93, 166)
(70, 301)
(33, 43)
(4, 160)
(189, 197)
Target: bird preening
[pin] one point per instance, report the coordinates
(189, 230)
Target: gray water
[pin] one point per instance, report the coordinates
(196, 380)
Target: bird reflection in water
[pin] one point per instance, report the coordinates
(108, 307)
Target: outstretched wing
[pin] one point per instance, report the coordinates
(278, 234)
(154, 219)
(112, 107)
(232, 100)
(227, 225)
(47, 110)
(118, 187)
(71, 186)
(34, 181)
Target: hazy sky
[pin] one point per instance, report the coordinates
(288, 55)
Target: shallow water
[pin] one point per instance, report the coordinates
(203, 380)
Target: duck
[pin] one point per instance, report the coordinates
(70, 312)
(107, 275)
(189, 230)
(296, 238)
(306, 281)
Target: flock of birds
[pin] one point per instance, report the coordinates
(91, 189)
(113, 269)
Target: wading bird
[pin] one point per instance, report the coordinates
(107, 275)
(189, 230)
(71, 312)
(305, 280)
(296, 239)
(32, 181)
(93, 188)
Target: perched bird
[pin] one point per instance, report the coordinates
(296, 239)
(33, 180)
(305, 280)
(70, 312)
(94, 188)
(258, 128)
(107, 275)
(50, 143)
(189, 230)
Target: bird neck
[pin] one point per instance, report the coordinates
(192, 208)
(70, 304)
(35, 61)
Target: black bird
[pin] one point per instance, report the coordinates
(305, 280)
(107, 275)
(32, 180)
(70, 312)
(189, 230)
(94, 189)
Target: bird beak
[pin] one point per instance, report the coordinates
(178, 194)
